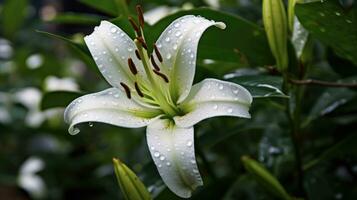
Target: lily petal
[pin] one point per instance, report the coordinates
(213, 97)
(172, 149)
(178, 46)
(110, 106)
(111, 48)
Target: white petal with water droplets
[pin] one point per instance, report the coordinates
(111, 47)
(110, 106)
(211, 98)
(172, 149)
(178, 46)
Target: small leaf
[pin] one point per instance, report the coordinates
(265, 178)
(130, 185)
(261, 86)
(58, 99)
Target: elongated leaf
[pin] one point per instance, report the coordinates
(130, 185)
(333, 25)
(80, 48)
(261, 86)
(58, 99)
(239, 42)
(265, 178)
(77, 18)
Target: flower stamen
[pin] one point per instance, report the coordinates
(157, 52)
(137, 54)
(163, 76)
(139, 11)
(156, 67)
(127, 89)
(134, 25)
(143, 43)
(132, 66)
(137, 88)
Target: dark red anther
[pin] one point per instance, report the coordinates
(157, 52)
(137, 54)
(139, 11)
(161, 75)
(137, 88)
(127, 89)
(134, 25)
(132, 66)
(156, 67)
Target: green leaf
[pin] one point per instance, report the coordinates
(261, 86)
(107, 6)
(334, 26)
(130, 185)
(77, 18)
(13, 16)
(58, 99)
(265, 178)
(239, 42)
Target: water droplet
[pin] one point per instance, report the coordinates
(167, 39)
(178, 33)
(189, 50)
(338, 14)
(152, 148)
(95, 58)
(220, 87)
(79, 100)
(195, 171)
(90, 124)
(230, 110)
(168, 149)
(123, 57)
(168, 164)
(159, 45)
(182, 153)
(116, 49)
(192, 55)
(189, 143)
(215, 107)
(122, 34)
(104, 52)
(159, 165)
(168, 56)
(156, 154)
(176, 25)
(130, 49)
(113, 30)
(192, 161)
(175, 46)
(235, 91)
(162, 157)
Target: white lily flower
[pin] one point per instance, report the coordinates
(155, 90)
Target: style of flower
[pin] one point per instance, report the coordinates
(155, 90)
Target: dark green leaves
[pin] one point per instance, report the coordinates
(58, 99)
(13, 16)
(331, 24)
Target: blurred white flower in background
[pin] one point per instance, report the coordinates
(154, 15)
(34, 61)
(29, 180)
(53, 83)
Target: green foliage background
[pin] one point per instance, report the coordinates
(39, 39)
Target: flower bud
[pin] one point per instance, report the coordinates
(275, 23)
(130, 185)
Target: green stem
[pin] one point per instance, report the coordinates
(294, 120)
